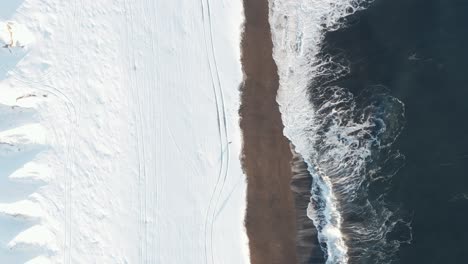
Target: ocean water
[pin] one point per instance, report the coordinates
(374, 97)
(418, 50)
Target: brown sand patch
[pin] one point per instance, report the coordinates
(270, 218)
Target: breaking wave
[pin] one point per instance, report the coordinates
(345, 138)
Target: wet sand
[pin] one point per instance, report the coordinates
(270, 218)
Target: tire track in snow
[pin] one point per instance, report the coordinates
(153, 122)
(68, 191)
(76, 60)
(157, 162)
(141, 149)
(132, 113)
(130, 37)
(151, 89)
(226, 143)
(222, 127)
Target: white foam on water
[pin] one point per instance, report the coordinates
(298, 28)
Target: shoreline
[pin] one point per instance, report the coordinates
(308, 248)
(278, 182)
(266, 156)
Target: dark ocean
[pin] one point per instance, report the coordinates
(408, 75)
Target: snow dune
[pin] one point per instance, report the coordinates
(119, 136)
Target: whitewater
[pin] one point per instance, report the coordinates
(345, 138)
(119, 135)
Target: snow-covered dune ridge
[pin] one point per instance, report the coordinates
(23, 143)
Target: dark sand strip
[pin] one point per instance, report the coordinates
(278, 189)
(270, 218)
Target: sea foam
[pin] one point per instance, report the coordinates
(345, 139)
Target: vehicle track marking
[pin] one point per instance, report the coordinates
(222, 125)
(138, 130)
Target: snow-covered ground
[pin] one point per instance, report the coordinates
(119, 136)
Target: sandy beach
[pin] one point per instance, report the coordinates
(270, 218)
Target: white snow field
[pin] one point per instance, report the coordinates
(119, 135)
